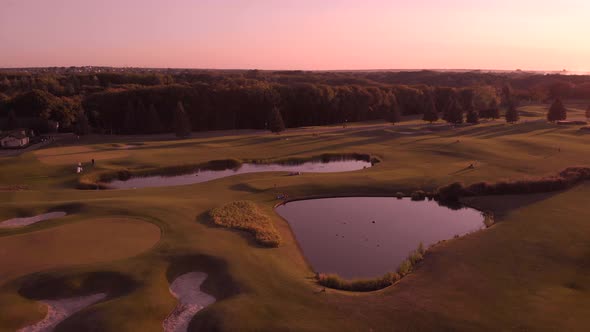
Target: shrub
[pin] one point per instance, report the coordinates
(405, 267)
(418, 195)
(360, 285)
(488, 219)
(245, 215)
(124, 175)
(221, 164)
(564, 180)
(366, 285)
(415, 257)
(421, 248)
(451, 192)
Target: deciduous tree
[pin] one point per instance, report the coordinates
(81, 127)
(557, 111)
(12, 121)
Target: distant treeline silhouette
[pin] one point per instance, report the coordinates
(156, 102)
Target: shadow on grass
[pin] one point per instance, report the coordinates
(246, 187)
(219, 283)
(503, 129)
(53, 286)
(502, 205)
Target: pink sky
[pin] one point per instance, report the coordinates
(303, 34)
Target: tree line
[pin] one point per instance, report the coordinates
(148, 103)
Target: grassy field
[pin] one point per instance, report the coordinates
(529, 272)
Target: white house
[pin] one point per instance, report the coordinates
(14, 139)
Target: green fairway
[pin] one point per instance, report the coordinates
(528, 272)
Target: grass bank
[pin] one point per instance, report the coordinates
(368, 285)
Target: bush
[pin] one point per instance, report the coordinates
(418, 195)
(124, 175)
(488, 219)
(451, 192)
(564, 180)
(405, 268)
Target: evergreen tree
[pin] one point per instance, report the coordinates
(12, 121)
(557, 111)
(130, 124)
(472, 116)
(394, 115)
(507, 96)
(81, 127)
(453, 113)
(276, 123)
(430, 111)
(140, 118)
(512, 114)
(153, 124)
(493, 111)
(181, 122)
(468, 107)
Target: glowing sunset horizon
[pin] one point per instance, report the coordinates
(306, 35)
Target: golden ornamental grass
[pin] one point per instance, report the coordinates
(245, 215)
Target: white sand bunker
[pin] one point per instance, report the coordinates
(187, 289)
(59, 310)
(22, 222)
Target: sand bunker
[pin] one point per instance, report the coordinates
(59, 310)
(187, 289)
(22, 222)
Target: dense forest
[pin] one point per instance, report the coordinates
(142, 101)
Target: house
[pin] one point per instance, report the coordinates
(14, 139)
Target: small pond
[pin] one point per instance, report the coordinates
(26, 221)
(364, 237)
(208, 175)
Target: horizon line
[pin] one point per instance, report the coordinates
(317, 70)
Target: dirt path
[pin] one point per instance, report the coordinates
(187, 289)
(59, 310)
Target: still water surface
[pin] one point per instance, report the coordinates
(208, 175)
(359, 237)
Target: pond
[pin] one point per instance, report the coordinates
(26, 221)
(366, 237)
(207, 175)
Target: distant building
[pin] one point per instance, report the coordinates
(14, 139)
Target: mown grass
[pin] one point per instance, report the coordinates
(245, 215)
(526, 273)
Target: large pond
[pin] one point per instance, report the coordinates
(358, 237)
(207, 175)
